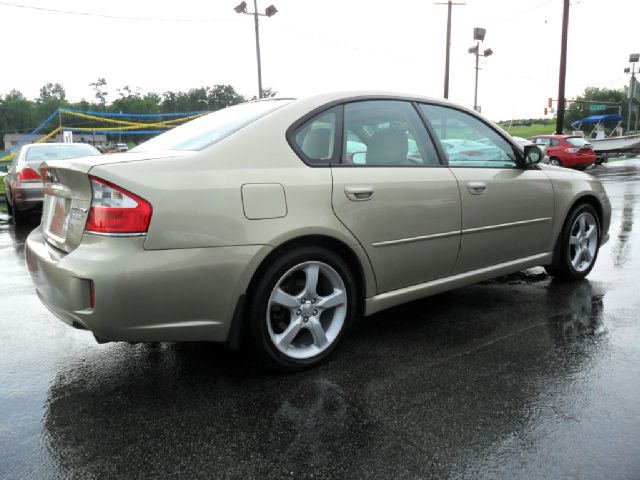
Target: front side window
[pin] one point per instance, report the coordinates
(205, 131)
(386, 133)
(468, 141)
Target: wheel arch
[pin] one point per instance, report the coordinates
(590, 200)
(586, 198)
(359, 266)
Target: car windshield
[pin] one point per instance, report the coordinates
(59, 152)
(204, 131)
(577, 141)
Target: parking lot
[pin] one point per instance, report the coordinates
(519, 377)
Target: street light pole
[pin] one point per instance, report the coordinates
(478, 36)
(475, 94)
(270, 11)
(255, 17)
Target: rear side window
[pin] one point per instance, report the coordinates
(205, 131)
(316, 137)
(577, 141)
(59, 152)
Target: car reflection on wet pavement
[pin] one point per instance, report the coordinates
(519, 377)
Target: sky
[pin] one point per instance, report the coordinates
(313, 46)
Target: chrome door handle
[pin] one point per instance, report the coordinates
(476, 188)
(358, 194)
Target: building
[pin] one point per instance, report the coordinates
(13, 139)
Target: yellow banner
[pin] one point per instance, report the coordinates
(126, 122)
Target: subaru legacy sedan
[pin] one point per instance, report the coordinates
(279, 222)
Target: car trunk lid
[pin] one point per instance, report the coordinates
(67, 199)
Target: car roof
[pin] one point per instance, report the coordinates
(320, 99)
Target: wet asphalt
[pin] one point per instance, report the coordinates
(517, 378)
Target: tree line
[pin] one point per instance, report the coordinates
(19, 114)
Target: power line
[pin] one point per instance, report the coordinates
(116, 17)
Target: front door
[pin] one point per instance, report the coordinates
(507, 210)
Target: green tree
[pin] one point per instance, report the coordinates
(101, 93)
(577, 110)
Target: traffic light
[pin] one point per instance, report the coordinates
(545, 110)
(550, 103)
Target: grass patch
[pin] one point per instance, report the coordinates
(535, 129)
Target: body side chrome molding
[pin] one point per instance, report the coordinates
(500, 226)
(415, 239)
(435, 236)
(421, 290)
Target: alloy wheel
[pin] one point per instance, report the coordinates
(307, 310)
(583, 241)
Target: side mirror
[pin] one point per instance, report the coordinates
(532, 154)
(359, 158)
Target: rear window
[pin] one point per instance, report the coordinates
(204, 131)
(577, 141)
(59, 152)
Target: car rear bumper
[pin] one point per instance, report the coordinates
(142, 295)
(580, 161)
(27, 196)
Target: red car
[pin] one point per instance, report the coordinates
(567, 150)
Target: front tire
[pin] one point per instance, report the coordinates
(301, 308)
(555, 162)
(578, 245)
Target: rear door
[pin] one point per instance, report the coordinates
(507, 210)
(392, 193)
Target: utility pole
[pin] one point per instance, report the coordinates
(631, 94)
(563, 68)
(449, 4)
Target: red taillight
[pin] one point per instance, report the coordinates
(115, 210)
(29, 175)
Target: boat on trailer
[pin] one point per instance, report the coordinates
(602, 143)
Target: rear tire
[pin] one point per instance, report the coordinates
(578, 245)
(301, 308)
(9, 208)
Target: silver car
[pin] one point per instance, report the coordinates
(23, 184)
(257, 224)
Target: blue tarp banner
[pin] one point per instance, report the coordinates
(135, 115)
(35, 132)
